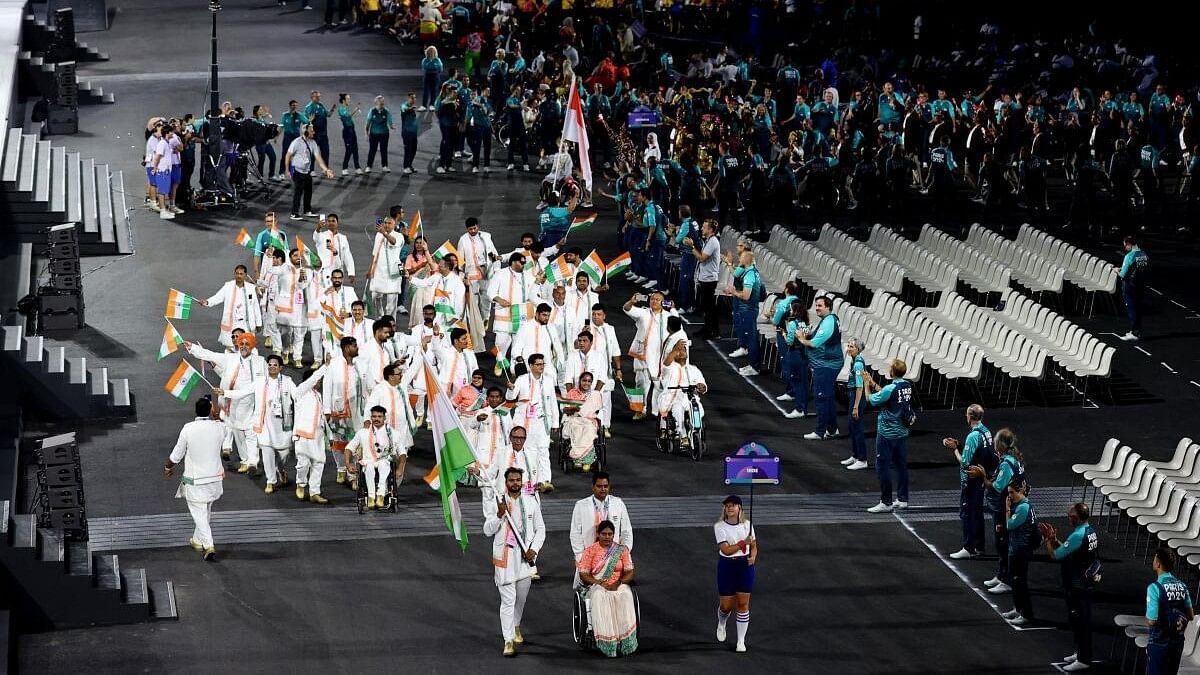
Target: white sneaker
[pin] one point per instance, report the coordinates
(487, 169)
(848, 461)
(992, 582)
(408, 169)
(1075, 666)
(962, 554)
(441, 170)
(457, 154)
(1000, 588)
(721, 634)
(421, 108)
(1018, 620)
(402, 309)
(176, 209)
(794, 414)
(880, 508)
(367, 170)
(1070, 659)
(154, 208)
(527, 169)
(899, 505)
(857, 466)
(511, 167)
(358, 172)
(783, 397)
(451, 169)
(740, 351)
(1010, 615)
(345, 172)
(831, 434)
(1129, 337)
(474, 169)
(813, 436)
(386, 170)
(740, 648)
(651, 284)
(748, 371)
(166, 214)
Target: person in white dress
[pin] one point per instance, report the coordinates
(296, 306)
(385, 274)
(374, 448)
(199, 450)
(449, 291)
(240, 369)
(456, 363)
(514, 522)
(604, 341)
(274, 418)
(536, 337)
(343, 395)
(579, 302)
(240, 306)
(537, 409)
(309, 435)
(334, 249)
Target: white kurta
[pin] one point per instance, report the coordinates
(537, 338)
(491, 436)
(449, 295)
(530, 532)
(512, 287)
(386, 264)
(340, 299)
(579, 309)
(646, 348)
(580, 362)
(454, 368)
(473, 255)
(237, 373)
(239, 309)
(335, 254)
(345, 391)
(395, 401)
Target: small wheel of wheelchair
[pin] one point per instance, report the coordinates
(360, 491)
(696, 439)
(580, 629)
(393, 501)
(601, 453)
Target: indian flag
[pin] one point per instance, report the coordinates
(244, 239)
(593, 266)
(637, 398)
(581, 222)
(452, 452)
(307, 254)
(276, 243)
(183, 381)
(520, 314)
(441, 302)
(618, 264)
(558, 270)
(445, 250)
(414, 228)
(170, 343)
(334, 326)
(179, 305)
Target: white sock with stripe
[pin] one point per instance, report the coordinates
(743, 624)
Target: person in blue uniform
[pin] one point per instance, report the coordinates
(1167, 602)
(1077, 555)
(1134, 269)
(826, 357)
(746, 293)
(1023, 538)
(975, 449)
(857, 406)
(891, 435)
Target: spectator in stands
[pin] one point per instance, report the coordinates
(707, 250)
(1079, 556)
(825, 355)
(857, 406)
(891, 435)
(1134, 270)
(978, 448)
(1167, 603)
(745, 293)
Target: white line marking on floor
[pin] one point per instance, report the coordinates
(1087, 402)
(752, 383)
(1195, 383)
(963, 577)
(1142, 351)
(1164, 365)
(1155, 290)
(1179, 304)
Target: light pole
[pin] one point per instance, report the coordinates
(214, 91)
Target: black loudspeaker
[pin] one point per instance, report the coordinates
(61, 234)
(60, 322)
(59, 303)
(60, 486)
(64, 266)
(66, 475)
(64, 251)
(63, 120)
(57, 455)
(66, 90)
(70, 283)
(65, 498)
(69, 520)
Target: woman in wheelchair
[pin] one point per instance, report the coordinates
(581, 421)
(605, 568)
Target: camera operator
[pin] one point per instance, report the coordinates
(265, 149)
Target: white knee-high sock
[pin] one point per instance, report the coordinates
(743, 624)
(722, 617)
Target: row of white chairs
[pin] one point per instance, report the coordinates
(1076, 350)
(814, 266)
(945, 351)
(1079, 267)
(871, 268)
(880, 344)
(927, 270)
(1008, 350)
(979, 270)
(1036, 273)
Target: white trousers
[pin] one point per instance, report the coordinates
(606, 408)
(386, 303)
(295, 340)
(376, 473)
(273, 460)
(512, 606)
(201, 516)
(316, 342)
(271, 328)
(538, 441)
(247, 445)
(310, 464)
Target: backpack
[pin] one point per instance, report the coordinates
(1171, 621)
(987, 458)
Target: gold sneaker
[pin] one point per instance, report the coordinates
(341, 476)
(518, 637)
(509, 649)
(317, 499)
(586, 468)
(243, 468)
(354, 483)
(270, 489)
(196, 546)
(210, 554)
(300, 492)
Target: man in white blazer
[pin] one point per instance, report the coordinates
(514, 522)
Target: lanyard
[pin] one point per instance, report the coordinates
(596, 510)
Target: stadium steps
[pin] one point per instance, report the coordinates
(45, 185)
(64, 383)
(36, 79)
(39, 35)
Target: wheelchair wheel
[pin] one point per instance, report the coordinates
(666, 440)
(392, 498)
(696, 438)
(564, 455)
(360, 493)
(601, 453)
(580, 629)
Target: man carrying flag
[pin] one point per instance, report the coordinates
(241, 306)
(452, 452)
(514, 522)
(509, 286)
(271, 236)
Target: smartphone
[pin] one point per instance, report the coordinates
(379, 221)
(667, 304)
(322, 218)
(642, 297)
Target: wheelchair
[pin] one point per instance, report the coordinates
(360, 493)
(581, 617)
(670, 440)
(565, 463)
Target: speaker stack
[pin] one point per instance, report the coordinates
(60, 303)
(60, 481)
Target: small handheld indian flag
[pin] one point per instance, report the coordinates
(559, 270)
(593, 266)
(170, 343)
(183, 381)
(179, 305)
(244, 239)
(445, 250)
(618, 264)
(276, 243)
(441, 302)
(581, 222)
(307, 254)
(521, 313)
(414, 227)
(637, 398)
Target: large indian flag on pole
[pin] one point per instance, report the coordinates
(183, 381)
(307, 254)
(575, 131)
(179, 305)
(618, 264)
(453, 453)
(170, 343)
